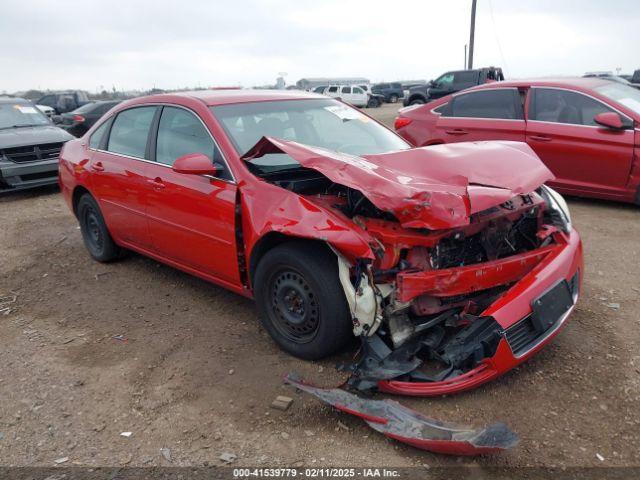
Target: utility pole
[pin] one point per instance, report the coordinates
(472, 34)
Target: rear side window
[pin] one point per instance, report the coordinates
(95, 141)
(346, 89)
(562, 106)
(465, 78)
(130, 131)
(503, 104)
(180, 133)
(333, 89)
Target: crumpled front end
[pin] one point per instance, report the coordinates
(472, 268)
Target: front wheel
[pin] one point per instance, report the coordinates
(417, 101)
(94, 230)
(300, 300)
(393, 99)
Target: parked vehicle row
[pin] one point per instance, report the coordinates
(29, 146)
(585, 129)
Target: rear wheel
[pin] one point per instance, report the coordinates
(300, 300)
(393, 98)
(94, 230)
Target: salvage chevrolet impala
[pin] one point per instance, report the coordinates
(452, 263)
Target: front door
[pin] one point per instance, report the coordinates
(192, 217)
(584, 156)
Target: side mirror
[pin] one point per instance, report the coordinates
(195, 164)
(610, 120)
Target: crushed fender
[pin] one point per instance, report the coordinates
(408, 426)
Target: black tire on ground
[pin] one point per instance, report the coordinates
(95, 234)
(416, 101)
(300, 300)
(373, 103)
(393, 99)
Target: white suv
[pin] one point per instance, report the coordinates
(351, 94)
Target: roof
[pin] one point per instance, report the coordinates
(577, 82)
(223, 97)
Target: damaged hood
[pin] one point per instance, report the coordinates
(433, 187)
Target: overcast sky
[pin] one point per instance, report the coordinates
(138, 44)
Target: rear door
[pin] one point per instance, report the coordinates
(583, 156)
(191, 217)
(119, 157)
(488, 114)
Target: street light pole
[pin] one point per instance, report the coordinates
(472, 34)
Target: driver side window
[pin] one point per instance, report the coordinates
(180, 133)
(563, 106)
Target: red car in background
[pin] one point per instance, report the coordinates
(585, 130)
(337, 228)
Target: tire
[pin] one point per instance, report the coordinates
(393, 99)
(300, 300)
(373, 103)
(94, 230)
(416, 101)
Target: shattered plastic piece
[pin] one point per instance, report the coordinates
(282, 403)
(408, 426)
(126, 434)
(228, 457)
(58, 461)
(166, 454)
(120, 338)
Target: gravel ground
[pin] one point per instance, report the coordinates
(194, 373)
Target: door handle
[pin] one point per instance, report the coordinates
(98, 167)
(456, 131)
(157, 183)
(540, 138)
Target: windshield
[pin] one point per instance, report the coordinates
(14, 115)
(623, 94)
(322, 123)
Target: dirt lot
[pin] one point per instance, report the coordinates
(196, 374)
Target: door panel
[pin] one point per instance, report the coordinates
(582, 155)
(454, 130)
(120, 185)
(192, 221)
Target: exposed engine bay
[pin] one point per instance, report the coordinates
(417, 307)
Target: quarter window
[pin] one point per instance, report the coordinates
(130, 131)
(181, 133)
(502, 103)
(563, 106)
(95, 141)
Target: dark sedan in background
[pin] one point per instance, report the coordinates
(82, 119)
(29, 146)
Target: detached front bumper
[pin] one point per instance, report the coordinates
(521, 336)
(19, 176)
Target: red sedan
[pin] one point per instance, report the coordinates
(585, 130)
(337, 228)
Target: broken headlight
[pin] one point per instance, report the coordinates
(558, 209)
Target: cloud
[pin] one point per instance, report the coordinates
(140, 44)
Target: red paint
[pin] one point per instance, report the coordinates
(591, 161)
(194, 222)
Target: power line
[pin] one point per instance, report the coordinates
(495, 34)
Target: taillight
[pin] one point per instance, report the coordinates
(401, 122)
(78, 118)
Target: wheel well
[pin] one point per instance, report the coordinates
(417, 96)
(75, 198)
(272, 240)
